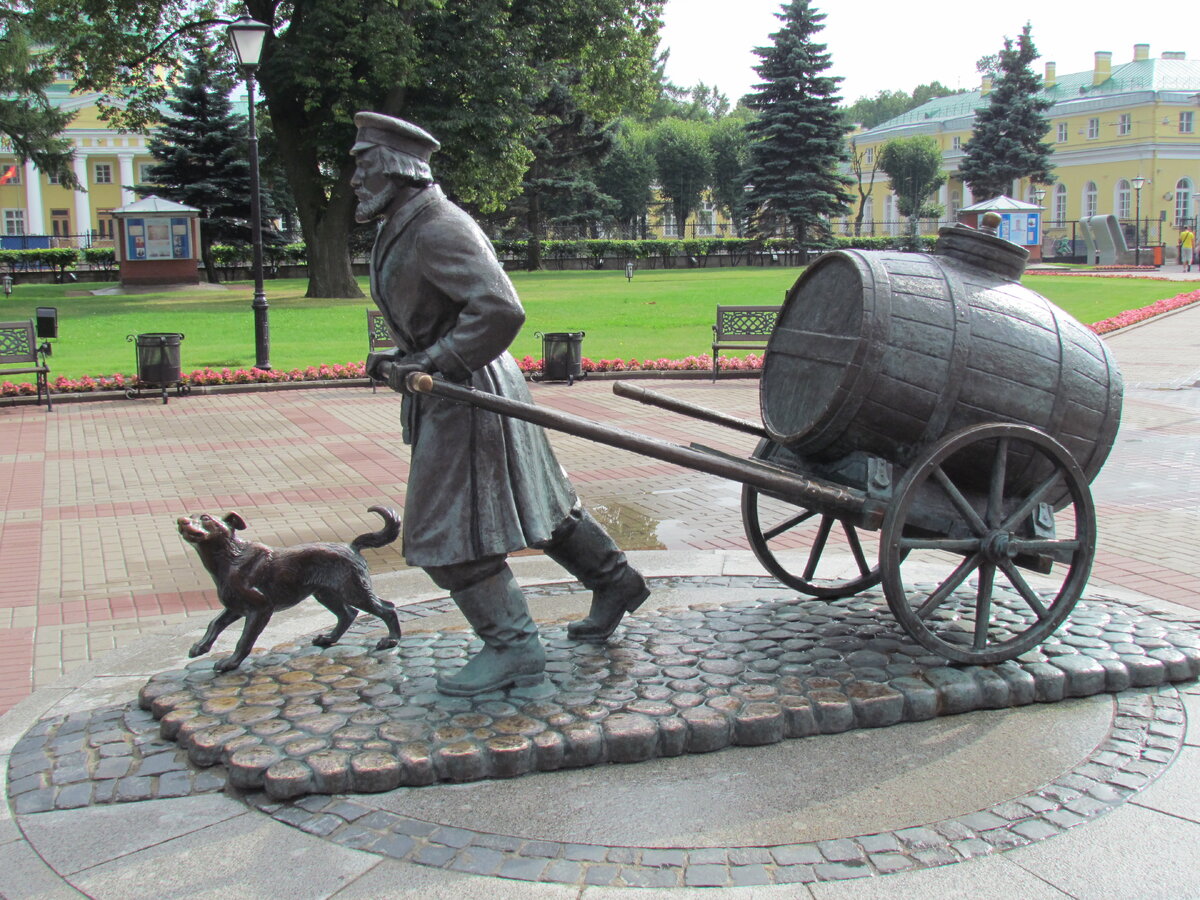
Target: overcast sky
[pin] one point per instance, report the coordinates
(881, 45)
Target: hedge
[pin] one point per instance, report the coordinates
(58, 258)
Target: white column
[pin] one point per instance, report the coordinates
(127, 180)
(944, 200)
(35, 220)
(83, 209)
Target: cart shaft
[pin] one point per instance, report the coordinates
(769, 479)
(662, 401)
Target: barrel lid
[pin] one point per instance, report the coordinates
(984, 250)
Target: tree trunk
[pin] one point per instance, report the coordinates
(533, 223)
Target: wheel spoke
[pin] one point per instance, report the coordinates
(959, 501)
(947, 587)
(818, 547)
(950, 545)
(995, 508)
(1026, 507)
(864, 567)
(1018, 581)
(983, 604)
(788, 524)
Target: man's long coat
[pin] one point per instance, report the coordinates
(479, 484)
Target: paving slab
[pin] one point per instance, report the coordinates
(71, 841)
(246, 856)
(1133, 852)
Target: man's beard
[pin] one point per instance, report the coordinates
(374, 206)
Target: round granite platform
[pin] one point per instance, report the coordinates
(849, 800)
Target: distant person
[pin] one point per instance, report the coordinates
(1187, 247)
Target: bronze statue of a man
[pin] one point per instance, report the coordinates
(480, 485)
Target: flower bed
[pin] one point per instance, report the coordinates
(1133, 316)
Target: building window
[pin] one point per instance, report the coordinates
(669, 227)
(52, 178)
(144, 170)
(1060, 204)
(955, 205)
(10, 173)
(104, 224)
(14, 221)
(1187, 122)
(1063, 130)
(1183, 201)
(869, 156)
(1125, 123)
(956, 143)
(103, 173)
(1123, 200)
(1093, 129)
(1090, 197)
(869, 215)
(706, 220)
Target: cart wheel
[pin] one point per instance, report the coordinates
(826, 551)
(183, 390)
(130, 393)
(989, 534)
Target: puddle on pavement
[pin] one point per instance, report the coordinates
(631, 528)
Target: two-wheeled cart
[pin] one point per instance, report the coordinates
(928, 403)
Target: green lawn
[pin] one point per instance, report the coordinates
(660, 313)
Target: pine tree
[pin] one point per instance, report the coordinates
(797, 140)
(202, 154)
(1007, 141)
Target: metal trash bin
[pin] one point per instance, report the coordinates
(158, 363)
(562, 356)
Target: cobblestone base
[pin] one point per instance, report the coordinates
(752, 671)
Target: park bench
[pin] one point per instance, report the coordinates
(19, 348)
(378, 337)
(742, 328)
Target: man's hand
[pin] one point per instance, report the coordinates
(397, 372)
(377, 363)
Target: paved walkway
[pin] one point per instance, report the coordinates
(91, 563)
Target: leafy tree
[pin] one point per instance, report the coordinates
(471, 73)
(559, 186)
(914, 169)
(684, 160)
(27, 120)
(201, 154)
(730, 152)
(797, 140)
(1007, 140)
(627, 175)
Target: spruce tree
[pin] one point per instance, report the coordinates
(202, 154)
(798, 139)
(1007, 140)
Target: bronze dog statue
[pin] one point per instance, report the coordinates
(254, 580)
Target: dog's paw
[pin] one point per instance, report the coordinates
(228, 664)
(324, 640)
(198, 650)
(386, 643)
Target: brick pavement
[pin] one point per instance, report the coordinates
(90, 559)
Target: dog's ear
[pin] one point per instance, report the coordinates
(236, 522)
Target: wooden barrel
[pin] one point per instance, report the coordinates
(885, 352)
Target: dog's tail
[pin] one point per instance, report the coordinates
(387, 534)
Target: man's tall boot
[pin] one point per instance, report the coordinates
(512, 654)
(590, 554)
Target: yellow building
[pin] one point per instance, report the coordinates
(1108, 127)
(37, 210)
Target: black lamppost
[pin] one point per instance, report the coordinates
(247, 36)
(1138, 183)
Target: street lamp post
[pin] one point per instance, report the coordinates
(1138, 183)
(247, 36)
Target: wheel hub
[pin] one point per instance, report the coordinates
(995, 546)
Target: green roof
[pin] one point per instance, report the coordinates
(1140, 75)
